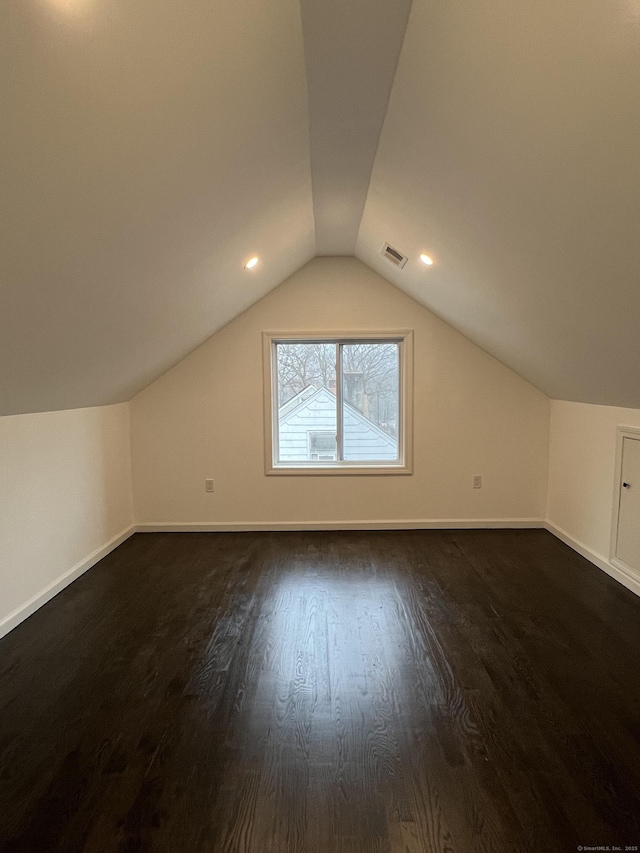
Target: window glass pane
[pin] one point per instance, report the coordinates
(306, 375)
(370, 401)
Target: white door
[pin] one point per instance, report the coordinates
(628, 543)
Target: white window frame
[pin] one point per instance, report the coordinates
(404, 465)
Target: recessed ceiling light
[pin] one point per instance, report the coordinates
(426, 260)
(251, 264)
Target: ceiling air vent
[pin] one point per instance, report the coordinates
(393, 255)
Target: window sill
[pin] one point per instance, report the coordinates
(337, 470)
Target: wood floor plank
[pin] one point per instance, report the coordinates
(399, 692)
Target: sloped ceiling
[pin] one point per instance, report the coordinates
(511, 153)
(351, 51)
(149, 149)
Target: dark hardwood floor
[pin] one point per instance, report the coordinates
(313, 692)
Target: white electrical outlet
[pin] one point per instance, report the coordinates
(477, 482)
(208, 485)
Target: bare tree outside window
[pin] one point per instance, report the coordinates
(303, 364)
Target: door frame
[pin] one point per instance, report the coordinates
(622, 433)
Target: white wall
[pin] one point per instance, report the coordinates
(472, 415)
(581, 473)
(65, 493)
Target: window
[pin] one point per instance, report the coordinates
(322, 446)
(338, 404)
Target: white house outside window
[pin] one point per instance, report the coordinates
(338, 404)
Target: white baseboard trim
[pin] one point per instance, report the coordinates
(617, 573)
(35, 602)
(388, 524)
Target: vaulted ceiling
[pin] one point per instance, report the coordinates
(149, 149)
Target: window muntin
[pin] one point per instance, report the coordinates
(337, 405)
